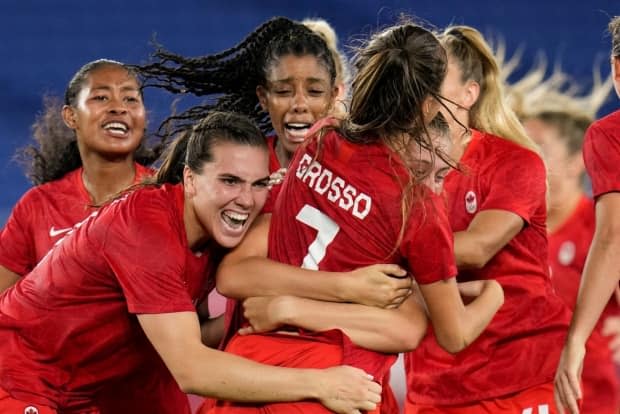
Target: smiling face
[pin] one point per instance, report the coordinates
(108, 116)
(299, 91)
(224, 198)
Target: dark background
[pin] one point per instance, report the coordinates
(42, 43)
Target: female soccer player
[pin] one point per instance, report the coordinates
(353, 197)
(100, 303)
(284, 76)
(89, 150)
(497, 211)
(602, 269)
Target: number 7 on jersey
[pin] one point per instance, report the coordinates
(326, 232)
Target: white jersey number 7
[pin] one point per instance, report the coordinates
(326, 232)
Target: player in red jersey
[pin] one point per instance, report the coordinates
(602, 270)
(570, 226)
(353, 197)
(335, 105)
(283, 75)
(88, 151)
(83, 158)
(497, 210)
(296, 78)
(81, 319)
(294, 81)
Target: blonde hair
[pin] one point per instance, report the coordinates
(475, 58)
(557, 100)
(532, 94)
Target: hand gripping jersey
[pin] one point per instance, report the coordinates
(69, 327)
(340, 208)
(521, 346)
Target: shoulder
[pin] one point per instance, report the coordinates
(156, 199)
(610, 121)
(608, 126)
(502, 150)
(42, 194)
(148, 213)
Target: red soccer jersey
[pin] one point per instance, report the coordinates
(340, 210)
(69, 327)
(521, 346)
(43, 215)
(601, 154)
(568, 249)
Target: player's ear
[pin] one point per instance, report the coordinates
(261, 93)
(188, 181)
(69, 116)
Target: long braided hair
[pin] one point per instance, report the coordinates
(228, 79)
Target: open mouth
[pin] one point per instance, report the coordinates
(297, 130)
(235, 220)
(116, 128)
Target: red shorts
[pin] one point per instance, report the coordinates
(280, 350)
(536, 400)
(9, 405)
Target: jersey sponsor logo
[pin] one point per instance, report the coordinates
(471, 202)
(566, 253)
(31, 410)
(339, 192)
(54, 232)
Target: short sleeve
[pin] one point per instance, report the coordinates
(601, 156)
(17, 246)
(428, 243)
(143, 247)
(516, 182)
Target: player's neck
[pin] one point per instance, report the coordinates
(284, 157)
(196, 235)
(105, 179)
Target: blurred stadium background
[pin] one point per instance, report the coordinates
(42, 43)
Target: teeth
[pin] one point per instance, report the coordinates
(116, 125)
(298, 126)
(236, 216)
(235, 220)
